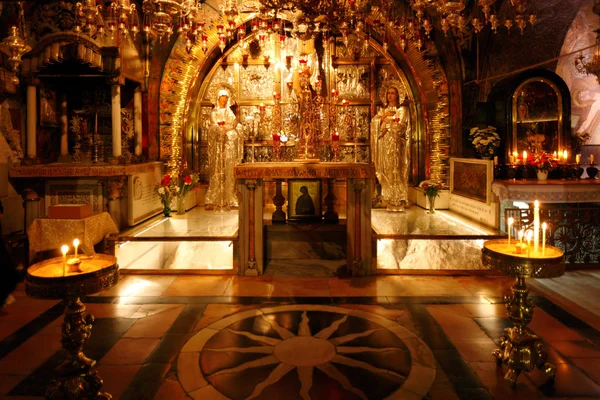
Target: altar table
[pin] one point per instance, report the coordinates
(359, 187)
(51, 234)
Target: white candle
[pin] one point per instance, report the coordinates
(511, 221)
(76, 245)
(577, 158)
(529, 235)
(524, 157)
(536, 226)
(565, 155)
(544, 226)
(64, 250)
(521, 234)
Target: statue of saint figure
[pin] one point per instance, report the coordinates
(225, 151)
(390, 135)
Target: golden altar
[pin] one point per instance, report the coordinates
(359, 179)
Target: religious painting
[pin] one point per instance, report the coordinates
(471, 178)
(536, 117)
(48, 108)
(304, 199)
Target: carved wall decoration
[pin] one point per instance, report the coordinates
(12, 136)
(85, 191)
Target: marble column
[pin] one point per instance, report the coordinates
(251, 254)
(115, 92)
(31, 203)
(358, 226)
(64, 131)
(31, 125)
(331, 216)
(137, 122)
(114, 190)
(278, 200)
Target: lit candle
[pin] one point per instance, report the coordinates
(76, 245)
(495, 160)
(515, 155)
(262, 107)
(544, 226)
(276, 137)
(577, 158)
(335, 136)
(536, 225)
(521, 234)
(345, 103)
(565, 155)
(511, 221)
(554, 155)
(591, 158)
(529, 235)
(64, 250)
(524, 157)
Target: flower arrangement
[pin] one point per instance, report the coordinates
(485, 140)
(186, 181)
(167, 190)
(432, 188)
(544, 162)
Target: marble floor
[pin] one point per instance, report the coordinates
(274, 337)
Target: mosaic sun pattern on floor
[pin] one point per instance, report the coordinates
(307, 352)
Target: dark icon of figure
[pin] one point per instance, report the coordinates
(304, 204)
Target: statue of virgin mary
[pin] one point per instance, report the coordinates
(390, 150)
(225, 151)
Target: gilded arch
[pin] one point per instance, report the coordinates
(429, 86)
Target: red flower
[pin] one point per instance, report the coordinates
(166, 180)
(187, 180)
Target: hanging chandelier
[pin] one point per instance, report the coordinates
(345, 18)
(593, 66)
(120, 16)
(163, 17)
(453, 19)
(15, 46)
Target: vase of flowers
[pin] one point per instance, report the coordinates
(543, 164)
(186, 182)
(167, 190)
(485, 140)
(432, 189)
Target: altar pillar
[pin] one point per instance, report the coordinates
(137, 121)
(64, 131)
(115, 93)
(31, 124)
(251, 258)
(358, 226)
(114, 189)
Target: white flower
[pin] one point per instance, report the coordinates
(161, 190)
(176, 189)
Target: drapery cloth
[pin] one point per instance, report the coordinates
(390, 152)
(225, 151)
(51, 234)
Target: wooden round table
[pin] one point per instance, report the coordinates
(51, 279)
(519, 349)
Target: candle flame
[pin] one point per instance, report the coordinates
(511, 221)
(76, 242)
(64, 249)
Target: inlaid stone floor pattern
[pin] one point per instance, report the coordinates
(209, 337)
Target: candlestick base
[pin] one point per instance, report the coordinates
(519, 349)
